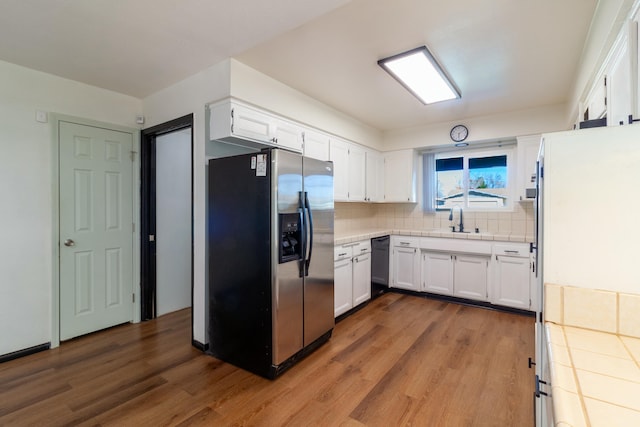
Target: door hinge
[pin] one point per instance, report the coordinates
(152, 237)
(133, 227)
(132, 155)
(133, 298)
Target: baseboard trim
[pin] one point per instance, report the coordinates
(25, 352)
(202, 347)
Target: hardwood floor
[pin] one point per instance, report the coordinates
(401, 360)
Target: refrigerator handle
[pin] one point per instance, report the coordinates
(303, 234)
(308, 209)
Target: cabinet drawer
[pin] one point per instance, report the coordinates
(342, 252)
(405, 241)
(360, 248)
(521, 251)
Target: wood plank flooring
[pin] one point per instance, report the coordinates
(400, 361)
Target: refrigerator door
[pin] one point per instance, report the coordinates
(240, 269)
(318, 282)
(287, 283)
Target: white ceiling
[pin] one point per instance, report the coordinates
(504, 55)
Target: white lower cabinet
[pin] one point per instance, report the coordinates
(502, 273)
(512, 281)
(352, 276)
(464, 276)
(470, 277)
(361, 278)
(437, 273)
(405, 260)
(342, 281)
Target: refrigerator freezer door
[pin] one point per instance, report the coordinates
(287, 285)
(318, 285)
(240, 270)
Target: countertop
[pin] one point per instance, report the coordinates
(357, 235)
(595, 377)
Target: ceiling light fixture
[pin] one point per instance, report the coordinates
(419, 72)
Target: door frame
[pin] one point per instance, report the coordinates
(55, 220)
(148, 205)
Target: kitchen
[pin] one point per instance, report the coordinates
(29, 307)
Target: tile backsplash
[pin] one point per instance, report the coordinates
(365, 216)
(595, 309)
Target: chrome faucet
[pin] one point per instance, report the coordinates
(461, 225)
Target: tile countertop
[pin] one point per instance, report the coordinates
(595, 377)
(357, 235)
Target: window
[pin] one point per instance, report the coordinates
(476, 180)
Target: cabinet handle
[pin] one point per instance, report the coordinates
(404, 243)
(512, 252)
(342, 254)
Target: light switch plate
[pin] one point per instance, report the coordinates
(41, 116)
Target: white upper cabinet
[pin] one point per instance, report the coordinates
(231, 121)
(400, 171)
(287, 135)
(339, 155)
(596, 104)
(237, 120)
(619, 93)
(357, 162)
(349, 162)
(528, 147)
(316, 145)
(374, 176)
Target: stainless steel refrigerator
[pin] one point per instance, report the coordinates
(270, 250)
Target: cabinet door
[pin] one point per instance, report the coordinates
(512, 282)
(374, 176)
(406, 268)
(287, 135)
(437, 273)
(619, 99)
(339, 155)
(343, 286)
(252, 124)
(361, 279)
(470, 277)
(399, 176)
(316, 145)
(528, 148)
(357, 175)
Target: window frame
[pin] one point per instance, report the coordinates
(508, 150)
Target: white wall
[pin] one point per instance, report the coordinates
(591, 200)
(504, 126)
(26, 191)
(186, 97)
(261, 90)
(173, 221)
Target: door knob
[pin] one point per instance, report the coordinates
(69, 242)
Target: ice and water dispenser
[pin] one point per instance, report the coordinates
(290, 237)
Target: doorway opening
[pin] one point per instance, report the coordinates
(167, 218)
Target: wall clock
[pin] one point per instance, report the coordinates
(459, 133)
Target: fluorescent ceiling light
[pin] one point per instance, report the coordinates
(419, 72)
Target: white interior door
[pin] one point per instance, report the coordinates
(96, 228)
(173, 221)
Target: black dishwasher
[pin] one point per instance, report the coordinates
(379, 266)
